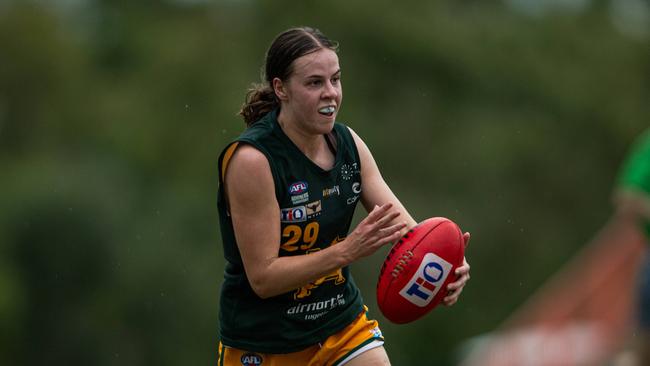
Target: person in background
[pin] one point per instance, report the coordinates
(632, 202)
(288, 189)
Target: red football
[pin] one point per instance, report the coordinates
(417, 270)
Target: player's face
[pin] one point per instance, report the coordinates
(313, 94)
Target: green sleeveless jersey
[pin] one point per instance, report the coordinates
(635, 174)
(316, 210)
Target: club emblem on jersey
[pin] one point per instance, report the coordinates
(336, 277)
(251, 359)
(313, 208)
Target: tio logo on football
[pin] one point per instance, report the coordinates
(427, 280)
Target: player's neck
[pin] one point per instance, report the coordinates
(312, 145)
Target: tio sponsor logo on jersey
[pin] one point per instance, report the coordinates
(251, 359)
(427, 280)
(293, 214)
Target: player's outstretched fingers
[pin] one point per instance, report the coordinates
(389, 239)
(378, 212)
(387, 219)
(393, 228)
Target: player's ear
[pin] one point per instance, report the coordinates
(279, 89)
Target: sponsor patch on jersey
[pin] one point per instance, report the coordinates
(313, 208)
(301, 198)
(352, 199)
(330, 192)
(356, 187)
(293, 214)
(427, 280)
(297, 188)
(315, 310)
(251, 359)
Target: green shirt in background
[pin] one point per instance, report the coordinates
(635, 174)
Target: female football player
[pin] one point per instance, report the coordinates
(289, 185)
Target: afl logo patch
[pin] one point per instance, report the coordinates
(251, 359)
(297, 188)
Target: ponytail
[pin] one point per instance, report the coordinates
(260, 100)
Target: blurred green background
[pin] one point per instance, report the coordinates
(509, 117)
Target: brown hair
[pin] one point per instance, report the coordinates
(285, 48)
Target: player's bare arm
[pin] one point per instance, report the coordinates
(376, 191)
(256, 218)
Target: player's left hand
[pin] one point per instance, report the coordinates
(455, 288)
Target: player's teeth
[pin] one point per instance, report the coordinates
(326, 110)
